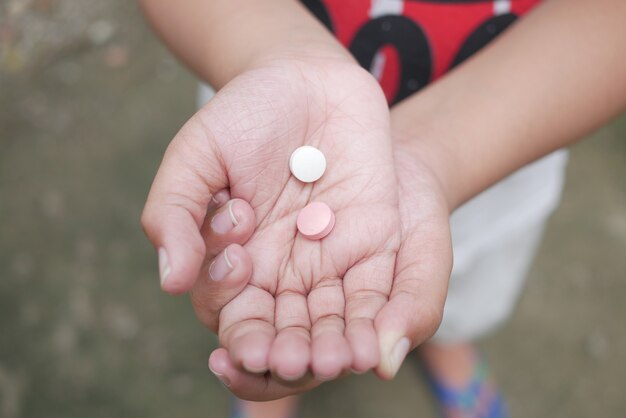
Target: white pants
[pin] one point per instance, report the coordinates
(495, 237)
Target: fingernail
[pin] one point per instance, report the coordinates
(220, 267)
(164, 266)
(223, 378)
(398, 353)
(225, 220)
(213, 203)
(218, 199)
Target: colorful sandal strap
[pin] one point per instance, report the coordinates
(468, 400)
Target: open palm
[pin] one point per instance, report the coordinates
(310, 305)
(415, 305)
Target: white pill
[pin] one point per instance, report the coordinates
(307, 164)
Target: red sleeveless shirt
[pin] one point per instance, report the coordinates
(406, 44)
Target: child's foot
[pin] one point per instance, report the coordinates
(280, 408)
(461, 382)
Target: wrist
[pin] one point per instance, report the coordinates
(316, 52)
(323, 71)
(426, 151)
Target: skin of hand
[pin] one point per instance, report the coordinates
(309, 305)
(415, 306)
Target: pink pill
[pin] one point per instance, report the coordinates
(316, 220)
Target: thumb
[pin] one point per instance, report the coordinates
(415, 307)
(401, 325)
(190, 174)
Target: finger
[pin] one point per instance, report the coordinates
(223, 276)
(330, 349)
(331, 355)
(415, 306)
(253, 387)
(367, 289)
(190, 174)
(219, 283)
(290, 355)
(247, 329)
(250, 348)
(234, 222)
(361, 336)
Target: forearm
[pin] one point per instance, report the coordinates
(219, 39)
(551, 79)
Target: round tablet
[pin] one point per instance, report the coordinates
(316, 220)
(307, 164)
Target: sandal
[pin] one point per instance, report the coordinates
(479, 399)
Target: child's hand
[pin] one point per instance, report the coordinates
(417, 298)
(308, 302)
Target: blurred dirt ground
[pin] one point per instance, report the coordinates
(88, 101)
